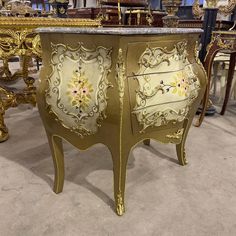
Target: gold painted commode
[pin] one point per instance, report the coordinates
(118, 87)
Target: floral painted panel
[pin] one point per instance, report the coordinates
(167, 86)
(78, 85)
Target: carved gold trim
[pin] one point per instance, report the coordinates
(23, 43)
(177, 136)
(197, 10)
(10, 99)
(224, 9)
(120, 80)
(211, 3)
(227, 9)
(35, 22)
(18, 39)
(120, 209)
(6, 99)
(19, 43)
(120, 76)
(226, 44)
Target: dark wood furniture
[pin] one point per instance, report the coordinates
(223, 41)
(125, 3)
(220, 25)
(144, 17)
(136, 14)
(109, 14)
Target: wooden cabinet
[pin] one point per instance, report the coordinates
(118, 87)
(127, 3)
(109, 15)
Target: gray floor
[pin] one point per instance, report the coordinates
(162, 197)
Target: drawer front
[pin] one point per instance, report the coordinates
(163, 88)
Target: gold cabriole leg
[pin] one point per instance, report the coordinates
(7, 99)
(56, 147)
(180, 148)
(120, 158)
(5, 70)
(3, 129)
(25, 71)
(147, 142)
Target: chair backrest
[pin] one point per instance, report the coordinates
(130, 3)
(75, 3)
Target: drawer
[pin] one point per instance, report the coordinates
(162, 88)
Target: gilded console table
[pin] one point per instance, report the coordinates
(118, 87)
(17, 38)
(222, 41)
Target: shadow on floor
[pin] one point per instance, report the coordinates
(36, 157)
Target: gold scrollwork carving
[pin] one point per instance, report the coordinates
(23, 43)
(35, 22)
(120, 76)
(197, 10)
(10, 99)
(6, 99)
(17, 43)
(120, 209)
(222, 43)
(36, 46)
(176, 137)
(225, 9)
(120, 80)
(17, 38)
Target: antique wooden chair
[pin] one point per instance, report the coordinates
(123, 3)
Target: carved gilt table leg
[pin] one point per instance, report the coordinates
(3, 129)
(25, 73)
(5, 71)
(6, 100)
(10, 99)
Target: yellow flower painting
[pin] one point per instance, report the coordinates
(180, 85)
(79, 91)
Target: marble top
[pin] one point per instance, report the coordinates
(118, 31)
